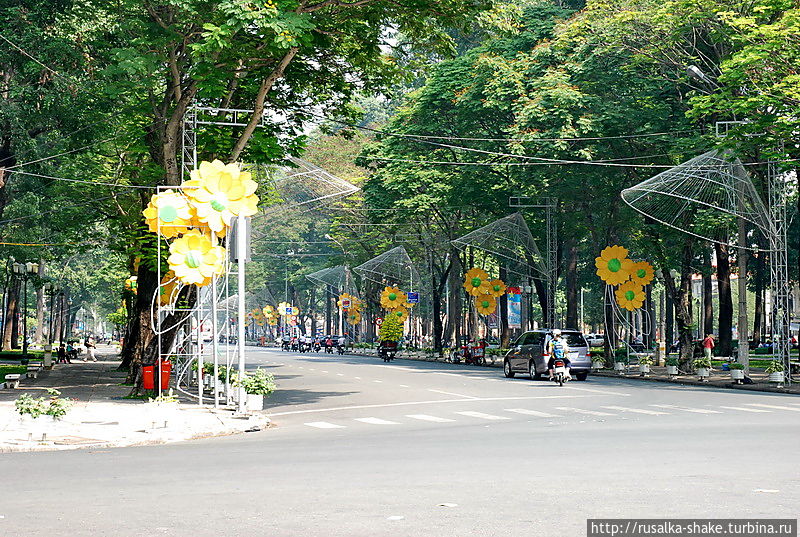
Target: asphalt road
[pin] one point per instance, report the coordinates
(361, 448)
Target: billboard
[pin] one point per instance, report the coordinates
(514, 310)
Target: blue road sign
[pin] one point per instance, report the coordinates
(413, 298)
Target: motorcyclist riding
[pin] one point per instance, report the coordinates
(558, 349)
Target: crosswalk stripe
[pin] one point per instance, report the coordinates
(482, 416)
(637, 410)
(376, 421)
(425, 417)
(324, 425)
(530, 412)
(744, 409)
(693, 410)
(583, 411)
(776, 407)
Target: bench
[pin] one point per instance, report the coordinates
(12, 380)
(33, 371)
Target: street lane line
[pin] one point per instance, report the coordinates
(744, 409)
(482, 416)
(377, 381)
(357, 378)
(376, 421)
(324, 425)
(324, 371)
(582, 411)
(593, 390)
(425, 417)
(530, 412)
(637, 410)
(339, 374)
(451, 393)
(776, 407)
(403, 386)
(692, 410)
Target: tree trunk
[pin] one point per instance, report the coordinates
(572, 284)
(708, 305)
(38, 334)
(541, 294)
(669, 331)
(682, 297)
(725, 342)
(758, 311)
(10, 316)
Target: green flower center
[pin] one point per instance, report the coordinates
(476, 282)
(614, 265)
(641, 273)
(496, 288)
(217, 206)
(393, 296)
(485, 304)
(399, 314)
(630, 295)
(193, 259)
(168, 214)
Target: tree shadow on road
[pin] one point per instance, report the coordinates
(287, 398)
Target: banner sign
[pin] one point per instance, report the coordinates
(514, 311)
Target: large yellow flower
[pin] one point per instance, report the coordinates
(354, 302)
(131, 283)
(219, 192)
(497, 288)
(486, 304)
(400, 312)
(168, 290)
(272, 321)
(613, 265)
(642, 273)
(392, 298)
(268, 310)
(169, 213)
(476, 282)
(195, 258)
(630, 296)
(282, 307)
(353, 318)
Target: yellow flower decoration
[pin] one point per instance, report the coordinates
(486, 304)
(282, 308)
(219, 192)
(346, 296)
(392, 298)
(476, 282)
(295, 310)
(272, 321)
(353, 318)
(268, 311)
(497, 288)
(630, 296)
(642, 273)
(168, 290)
(400, 312)
(355, 304)
(169, 213)
(195, 258)
(131, 283)
(613, 265)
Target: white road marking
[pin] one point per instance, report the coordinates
(425, 417)
(451, 393)
(594, 390)
(582, 411)
(403, 386)
(339, 374)
(776, 407)
(637, 410)
(324, 371)
(357, 378)
(377, 381)
(481, 415)
(376, 421)
(530, 412)
(744, 409)
(693, 410)
(324, 425)
(311, 369)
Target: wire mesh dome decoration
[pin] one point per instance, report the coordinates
(303, 184)
(393, 266)
(510, 239)
(339, 278)
(714, 184)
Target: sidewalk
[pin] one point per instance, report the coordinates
(101, 417)
(717, 379)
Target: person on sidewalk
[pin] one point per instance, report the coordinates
(90, 350)
(708, 345)
(61, 353)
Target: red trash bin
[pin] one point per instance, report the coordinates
(166, 371)
(148, 377)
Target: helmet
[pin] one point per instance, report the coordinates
(556, 332)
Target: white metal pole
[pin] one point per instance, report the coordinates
(241, 246)
(215, 339)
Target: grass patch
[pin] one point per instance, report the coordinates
(17, 355)
(11, 370)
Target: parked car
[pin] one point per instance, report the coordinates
(527, 355)
(596, 340)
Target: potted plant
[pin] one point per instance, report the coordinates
(598, 361)
(775, 371)
(703, 367)
(256, 386)
(35, 409)
(644, 365)
(672, 366)
(737, 372)
(620, 362)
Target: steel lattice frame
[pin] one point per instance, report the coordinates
(391, 267)
(716, 181)
(338, 278)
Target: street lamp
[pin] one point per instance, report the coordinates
(24, 271)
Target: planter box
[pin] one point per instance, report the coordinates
(644, 368)
(702, 372)
(776, 377)
(255, 402)
(619, 366)
(598, 365)
(737, 374)
(672, 370)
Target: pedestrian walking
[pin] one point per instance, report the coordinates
(61, 354)
(90, 350)
(708, 345)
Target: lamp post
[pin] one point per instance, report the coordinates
(24, 270)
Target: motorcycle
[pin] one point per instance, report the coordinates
(560, 373)
(340, 349)
(387, 350)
